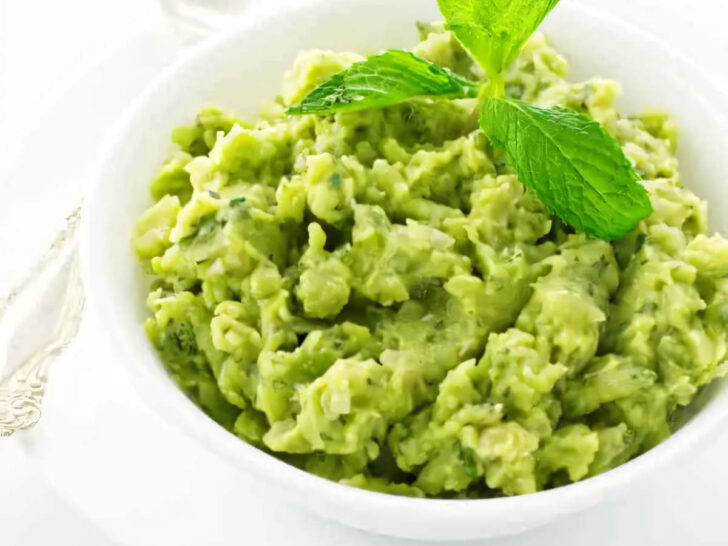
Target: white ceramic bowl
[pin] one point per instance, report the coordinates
(243, 67)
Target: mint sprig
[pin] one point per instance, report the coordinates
(568, 160)
(390, 78)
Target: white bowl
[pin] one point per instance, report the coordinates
(240, 69)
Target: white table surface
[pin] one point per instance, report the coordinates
(66, 70)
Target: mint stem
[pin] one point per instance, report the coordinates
(495, 88)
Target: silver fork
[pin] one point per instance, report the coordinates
(51, 296)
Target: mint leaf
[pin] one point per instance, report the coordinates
(571, 163)
(470, 467)
(389, 78)
(493, 31)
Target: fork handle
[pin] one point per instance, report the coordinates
(23, 384)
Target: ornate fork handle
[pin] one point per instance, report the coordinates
(23, 384)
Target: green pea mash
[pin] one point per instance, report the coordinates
(374, 297)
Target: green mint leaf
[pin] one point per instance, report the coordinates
(389, 78)
(571, 163)
(493, 31)
(470, 467)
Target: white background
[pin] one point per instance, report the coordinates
(61, 85)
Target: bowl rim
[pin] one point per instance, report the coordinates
(195, 423)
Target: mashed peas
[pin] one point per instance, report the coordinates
(375, 298)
